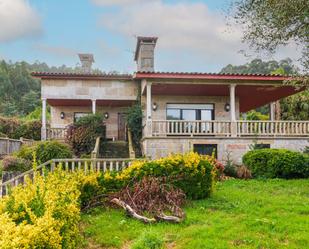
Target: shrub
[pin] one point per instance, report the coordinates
(16, 128)
(277, 163)
(13, 163)
(192, 173)
(45, 151)
(44, 213)
(149, 240)
(243, 172)
(254, 115)
(82, 135)
(134, 122)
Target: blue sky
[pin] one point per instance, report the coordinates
(193, 35)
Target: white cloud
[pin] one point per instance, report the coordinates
(18, 20)
(189, 33)
(57, 51)
(118, 2)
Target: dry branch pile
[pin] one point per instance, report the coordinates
(154, 196)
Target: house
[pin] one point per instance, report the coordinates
(182, 111)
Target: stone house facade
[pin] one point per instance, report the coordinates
(182, 111)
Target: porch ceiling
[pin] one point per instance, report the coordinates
(87, 102)
(250, 96)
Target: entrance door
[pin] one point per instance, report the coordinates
(122, 134)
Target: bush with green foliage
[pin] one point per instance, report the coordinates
(134, 122)
(255, 115)
(83, 133)
(16, 128)
(148, 240)
(45, 151)
(45, 212)
(194, 174)
(277, 163)
(13, 163)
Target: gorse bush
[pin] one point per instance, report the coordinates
(16, 128)
(192, 173)
(277, 163)
(45, 151)
(83, 133)
(45, 213)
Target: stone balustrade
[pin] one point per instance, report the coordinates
(240, 128)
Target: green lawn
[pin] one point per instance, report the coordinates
(240, 214)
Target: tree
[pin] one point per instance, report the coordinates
(270, 23)
(258, 66)
(295, 107)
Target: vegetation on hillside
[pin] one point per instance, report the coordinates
(19, 91)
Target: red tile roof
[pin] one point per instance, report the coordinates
(94, 76)
(210, 76)
(161, 75)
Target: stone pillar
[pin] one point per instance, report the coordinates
(272, 111)
(233, 110)
(148, 109)
(148, 100)
(93, 106)
(43, 129)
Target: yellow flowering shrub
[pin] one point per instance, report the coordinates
(44, 213)
(193, 173)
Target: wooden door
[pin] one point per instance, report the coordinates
(122, 134)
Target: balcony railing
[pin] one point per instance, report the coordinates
(159, 128)
(56, 133)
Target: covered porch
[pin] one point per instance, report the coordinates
(65, 112)
(207, 105)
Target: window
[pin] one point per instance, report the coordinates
(190, 112)
(262, 146)
(206, 149)
(78, 115)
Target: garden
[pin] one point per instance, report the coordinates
(181, 201)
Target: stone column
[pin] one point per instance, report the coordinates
(272, 111)
(233, 110)
(148, 109)
(43, 129)
(93, 106)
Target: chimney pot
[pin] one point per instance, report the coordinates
(144, 53)
(86, 60)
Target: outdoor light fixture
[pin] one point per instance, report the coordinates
(227, 107)
(154, 106)
(62, 115)
(106, 115)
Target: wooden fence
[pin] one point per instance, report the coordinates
(8, 145)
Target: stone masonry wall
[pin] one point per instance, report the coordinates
(161, 147)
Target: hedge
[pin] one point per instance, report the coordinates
(193, 173)
(16, 128)
(277, 163)
(45, 151)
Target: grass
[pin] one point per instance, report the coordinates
(240, 214)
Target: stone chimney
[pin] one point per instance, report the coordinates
(86, 60)
(144, 53)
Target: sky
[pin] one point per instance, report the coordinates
(194, 35)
